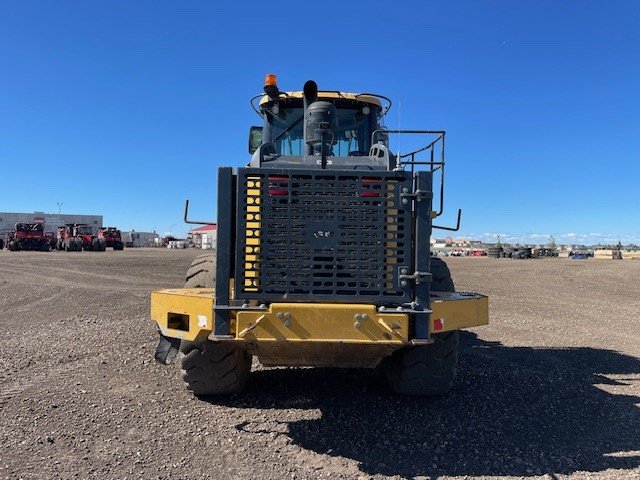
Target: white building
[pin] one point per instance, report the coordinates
(204, 237)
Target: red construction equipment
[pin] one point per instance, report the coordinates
(77, 237)
(112, 237)
(28, 236)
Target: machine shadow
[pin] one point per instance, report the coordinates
(513, 411)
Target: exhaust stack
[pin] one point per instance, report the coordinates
(309, 95)
(320, 123)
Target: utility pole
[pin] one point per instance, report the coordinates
(59, 207)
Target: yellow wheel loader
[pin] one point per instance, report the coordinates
(322, 254)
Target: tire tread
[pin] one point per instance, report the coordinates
(211, 368)
(427, 370)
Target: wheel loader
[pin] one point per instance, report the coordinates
(322, 254)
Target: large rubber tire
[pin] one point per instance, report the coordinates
(214, 368)
(441, 281)
(211, 368)
(427, 370)
(202, 272)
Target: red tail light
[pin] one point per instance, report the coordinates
(371, 180)
(369, 193)
(278, 178)
(276, 192)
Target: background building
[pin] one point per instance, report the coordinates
(203, 237)
(140, 239)
(51, 221)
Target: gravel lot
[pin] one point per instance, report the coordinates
(551, 388)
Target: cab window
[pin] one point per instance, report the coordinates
(353, 136)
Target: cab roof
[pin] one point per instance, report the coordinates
(331, 95)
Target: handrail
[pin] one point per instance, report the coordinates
(193, 222)
(451, 229)
(432, 164)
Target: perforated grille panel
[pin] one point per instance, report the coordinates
(320, 235)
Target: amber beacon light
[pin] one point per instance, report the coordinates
(270, 80)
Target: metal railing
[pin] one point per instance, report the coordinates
(435, 150)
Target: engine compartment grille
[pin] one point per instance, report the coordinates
(305, 235)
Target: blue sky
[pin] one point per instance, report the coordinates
(128, 108)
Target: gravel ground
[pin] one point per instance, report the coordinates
(551, 388)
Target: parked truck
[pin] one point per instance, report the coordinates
(323, 254)
(28, 236)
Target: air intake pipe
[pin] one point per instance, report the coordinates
(309, 95)
(320, 123)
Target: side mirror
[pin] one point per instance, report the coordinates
(255, 139)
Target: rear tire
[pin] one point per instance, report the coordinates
(202, 272)
(211, 368)
(427, 370)
(441, 281)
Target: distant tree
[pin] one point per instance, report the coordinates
(552, 243)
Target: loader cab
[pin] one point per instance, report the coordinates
(291, 120)
(356, 121)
